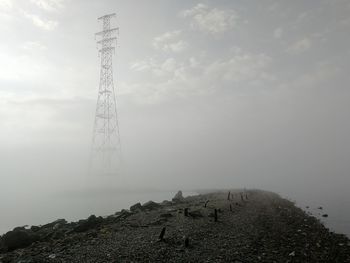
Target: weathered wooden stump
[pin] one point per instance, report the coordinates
(187, 242)
(186, 211)
(162, 233)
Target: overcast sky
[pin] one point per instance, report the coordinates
(210, 93)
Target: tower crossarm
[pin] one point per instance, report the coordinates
(106, 16)
(112, 30)
(106, 40)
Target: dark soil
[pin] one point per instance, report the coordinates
(262, 227)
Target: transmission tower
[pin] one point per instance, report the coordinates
(105, 158)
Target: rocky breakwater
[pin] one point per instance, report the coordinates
(228, 226)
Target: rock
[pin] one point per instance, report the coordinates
(124, 213)
(6, 258)
(59, 224)
(158, 222)
(178, 197)
(325, 215)
(59, 234)
(3, 249)
(26, 260)
(166, 203)
(35, 228)
(19, 239)
(150, 205)
(84, 225)
(136, 207)
(19, 228)
(56, 223)
(195, 214)
(166, 215)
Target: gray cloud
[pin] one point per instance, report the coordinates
(211, 20)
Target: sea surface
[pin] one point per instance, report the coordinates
(336, 206)
(37, 209)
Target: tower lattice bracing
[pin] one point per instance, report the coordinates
(106, 153)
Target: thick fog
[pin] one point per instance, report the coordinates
(210, 94)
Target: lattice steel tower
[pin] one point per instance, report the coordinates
(105, 156)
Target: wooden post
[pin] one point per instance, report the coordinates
(162, 233)
(187, 242)
(215, 215)
(228, 196)
(186, 211)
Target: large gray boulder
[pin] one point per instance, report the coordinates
(150, 205)
(91, 222)
(123, 214)
(178, 197)
(55, 224)
(136, 207)
(18, 238)
(166, 203)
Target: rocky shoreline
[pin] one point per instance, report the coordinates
(228, 226)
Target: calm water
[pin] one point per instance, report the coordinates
(336, 206)
(41, 209)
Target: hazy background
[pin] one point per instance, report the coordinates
(211, 94)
